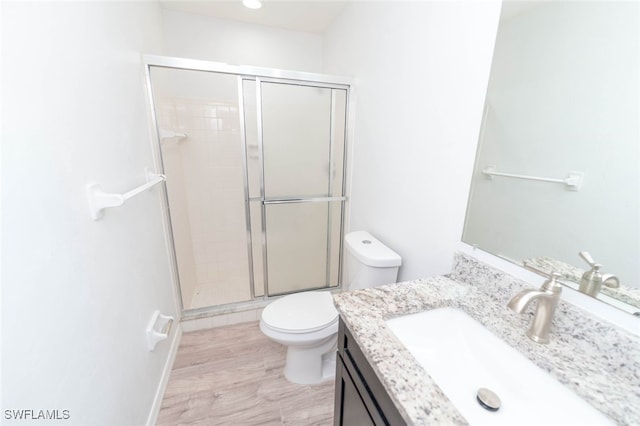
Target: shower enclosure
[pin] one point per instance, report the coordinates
(255, 189)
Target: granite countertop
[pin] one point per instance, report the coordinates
(598, 361)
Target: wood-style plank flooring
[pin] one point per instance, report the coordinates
(233, 376)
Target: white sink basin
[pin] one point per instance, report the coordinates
(462, 356)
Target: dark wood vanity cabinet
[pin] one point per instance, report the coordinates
(360, 397)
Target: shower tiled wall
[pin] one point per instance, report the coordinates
(210, 168)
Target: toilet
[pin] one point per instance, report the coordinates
(307, 322)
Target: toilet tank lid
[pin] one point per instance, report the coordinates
(370, 251)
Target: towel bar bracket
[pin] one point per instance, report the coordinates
(100, 200)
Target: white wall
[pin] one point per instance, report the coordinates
(560, 99)
(78, 294)
(204, 37)
(421, 74)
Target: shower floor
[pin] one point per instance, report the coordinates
(219, 293)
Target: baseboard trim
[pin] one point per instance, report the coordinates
(164, 380)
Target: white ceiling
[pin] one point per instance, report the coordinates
(298, 15)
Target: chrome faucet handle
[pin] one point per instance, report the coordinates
(551, 284)
(587, 258)
(592, 280)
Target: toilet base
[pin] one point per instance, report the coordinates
(312, 365)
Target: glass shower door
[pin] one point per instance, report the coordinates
(255, 168)
(202, 156)
(302, 148)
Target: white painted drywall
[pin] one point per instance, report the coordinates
(78, 294)
(421, 71)
(563, 96)
(204, 37)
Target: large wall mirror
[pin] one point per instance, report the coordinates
(558, 165)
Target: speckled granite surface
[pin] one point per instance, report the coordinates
(597, 361)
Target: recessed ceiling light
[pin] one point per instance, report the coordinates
(252, 4)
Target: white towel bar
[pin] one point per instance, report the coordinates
(100, 200)
(573, 181)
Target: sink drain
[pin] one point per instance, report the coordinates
(488, 399)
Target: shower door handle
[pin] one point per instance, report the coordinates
(303, 200)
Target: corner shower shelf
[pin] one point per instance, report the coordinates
(573, 181)
(170, 135)
(100, 200)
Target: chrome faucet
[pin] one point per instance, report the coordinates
(592, 280)
(548, 297)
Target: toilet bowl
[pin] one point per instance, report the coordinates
(307, 323)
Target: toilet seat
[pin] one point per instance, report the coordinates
(301, 313)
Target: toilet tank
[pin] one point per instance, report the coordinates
(369, 262)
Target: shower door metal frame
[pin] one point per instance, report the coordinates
(264, 201)
(257, 74)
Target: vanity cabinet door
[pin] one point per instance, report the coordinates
(350, 409)
(360, 397)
